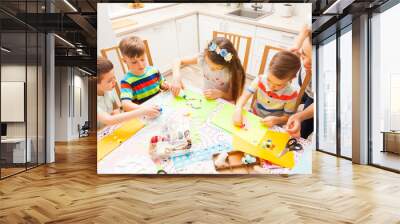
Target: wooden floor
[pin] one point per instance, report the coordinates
(10, 171)
(70, 191)
(387, 159)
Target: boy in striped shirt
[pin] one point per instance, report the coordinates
(274, 97)
(141, 82)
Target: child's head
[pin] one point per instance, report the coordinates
(132, 50)
(219, 54)
(282, 69)
(105, 75)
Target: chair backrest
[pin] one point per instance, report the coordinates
(236, 39)
(264, 59)
(106, 51)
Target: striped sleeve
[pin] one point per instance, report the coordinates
(126, 91)
(155, 70)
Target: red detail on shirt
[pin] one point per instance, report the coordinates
(148, 83)
(274, 95)
(125, 85)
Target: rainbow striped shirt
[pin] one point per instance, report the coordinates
(139, 88)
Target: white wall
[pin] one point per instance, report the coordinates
(79, 117)
(67, 115)
(108, 38)
(33, 127)
(12, 73)
(61, 103)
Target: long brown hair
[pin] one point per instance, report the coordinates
(238, 76)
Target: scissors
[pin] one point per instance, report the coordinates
(292, 145)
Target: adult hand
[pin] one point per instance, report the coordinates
(293, 126)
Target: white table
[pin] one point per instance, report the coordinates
(132, 157)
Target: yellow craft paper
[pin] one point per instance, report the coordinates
(254, 130)
(121, 134)
(279, 140)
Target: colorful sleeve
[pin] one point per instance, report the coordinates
(126, 91)
(291, 103)
(252, 88)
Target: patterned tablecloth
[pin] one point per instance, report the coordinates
(132, 156)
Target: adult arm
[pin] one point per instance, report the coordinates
(293, 125)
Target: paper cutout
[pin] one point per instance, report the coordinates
(254, 130)
(279, 140)
(116, 138)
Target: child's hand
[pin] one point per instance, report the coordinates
(212, 94)
(269, 121)
(176, 87)
(238, 117)
(164, 86)
(150, 110)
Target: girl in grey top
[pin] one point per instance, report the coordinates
(222, 71)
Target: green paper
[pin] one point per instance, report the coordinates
(205, 106)
(198, 116)
(253, 131)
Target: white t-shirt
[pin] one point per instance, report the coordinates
(105, 104)
(214, 79)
